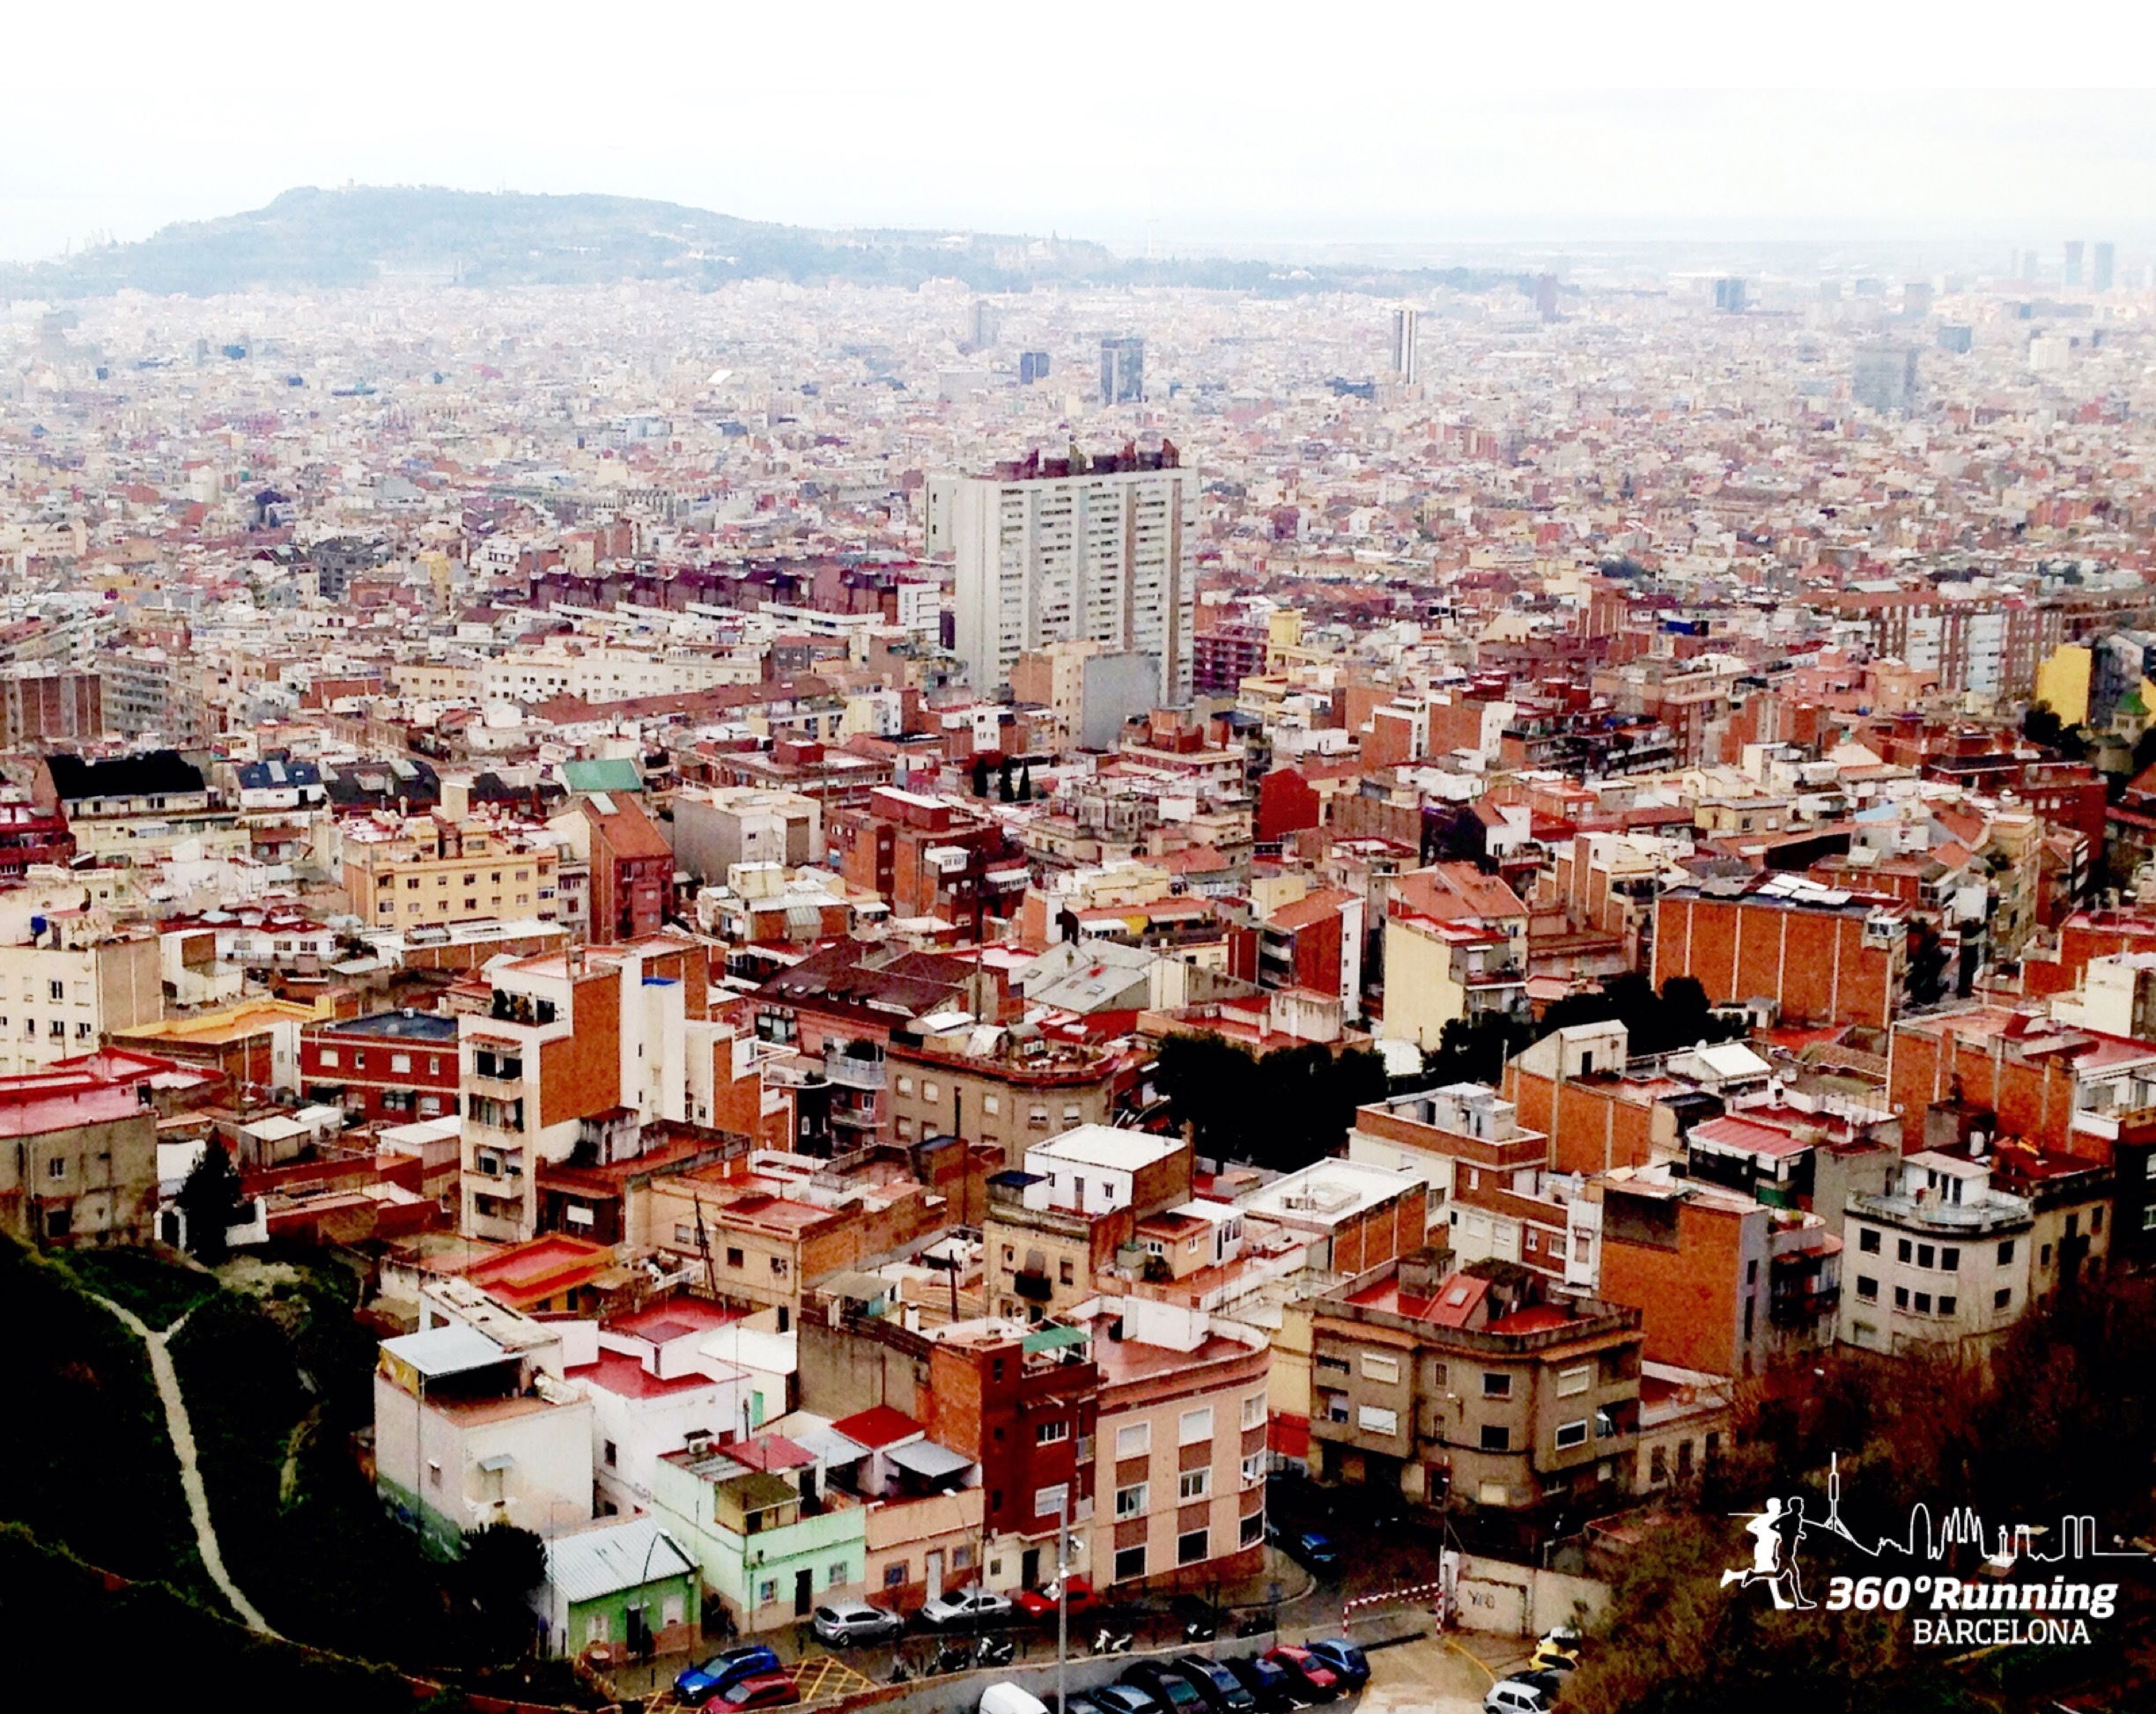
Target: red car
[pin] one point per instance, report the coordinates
(1041, 1603)
(765, 1690)
(1308, 1675)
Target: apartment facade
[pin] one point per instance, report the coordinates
(421, 871)
(1477, 1382)
(76, 981)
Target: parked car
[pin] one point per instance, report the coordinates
(1079, 1701)
(1125, 1699)
(1560, 1637)
(1311, 1677)
(967, 1608)
(1510, 1697)
(1549, 1659)
(1166, 1686)
(1041, 1603)
(697, 1685)
(855, 1622)
(1267, 1681)
(760, 1690)
(1345, 1660)
(1312, 1549)
(1221, 1690)
(1011, 1699)
(1549, 1683)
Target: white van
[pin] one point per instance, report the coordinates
(1009, 1699)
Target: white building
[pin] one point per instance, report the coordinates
(1043, 553)
(1939, 1261)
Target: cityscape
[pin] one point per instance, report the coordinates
(749, 964)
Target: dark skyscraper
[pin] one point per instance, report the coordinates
(1032, 366)
(1406, 363)
(1122, 371)
(1730, 296)
(1545, 295)
(1883, 378)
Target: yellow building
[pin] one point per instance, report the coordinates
(2062, 683)
(423, 870)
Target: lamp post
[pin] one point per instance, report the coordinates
(1062, 1591)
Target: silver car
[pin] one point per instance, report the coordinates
(855, 1622)
(966, 1608)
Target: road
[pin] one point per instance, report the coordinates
(1439, 1674)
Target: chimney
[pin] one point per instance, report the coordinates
(1417, 1274)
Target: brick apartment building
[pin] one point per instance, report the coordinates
(388, 1069)
(1823, 955)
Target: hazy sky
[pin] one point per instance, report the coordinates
(1197, 123)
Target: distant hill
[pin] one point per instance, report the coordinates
(310, 239)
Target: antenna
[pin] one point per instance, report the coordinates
(711, 1272)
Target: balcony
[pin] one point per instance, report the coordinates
(1802, 1309)
(497, 1068)
(854, 1070)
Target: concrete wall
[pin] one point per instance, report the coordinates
(1523, 1600)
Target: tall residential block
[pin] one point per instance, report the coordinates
(1123, 371)
(1061, 550)
(1406, 367)
(2105, 264)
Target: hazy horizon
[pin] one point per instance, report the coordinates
(1391, 126)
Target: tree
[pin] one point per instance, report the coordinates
(502, 1564)
(1282, 1111)
(2041, 725)
(1005, 789)
(210, 1199)
(1025, 784)
(980, 776)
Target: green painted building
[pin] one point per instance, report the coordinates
(628, 1588)
(768, 1551)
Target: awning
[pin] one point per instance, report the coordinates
(925, 1457)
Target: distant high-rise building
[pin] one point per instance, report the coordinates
(2073, 262)
(1917, 300)
(1122, 371)
(1065, 550)
(1545, 297)
(2105, 266)
(1883, 378)
(2028, 269)
(1954, 336)
(1407, 364)
(1730, 296)
(1032, 366)
(987, 323)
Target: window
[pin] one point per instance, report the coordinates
(1372, 1418)
(1067, 1271)
(1130, 1562)
(1376, 1368)
(2003, 1298)
(1046, 1434)
(59, 990)
(895, 1574)
(1196, 1425)
(1867, 1288)
(1193, 1484)
(1658, 1466)
(1253, 1469)
(1254, 1411)
(1135, 1441)
(1947, 1306)
(1901, 1298)
(1497, 1437)
(1331, 1407)
(400, 1062)
(1252, 1530)
(1131, 1501)
(433, 1472)
(684, 1235)
(1924, 1303)
(2044, 1256)
(1193, 1547)
(734, 1256)
(1924, 1255)
(1903, 1250)
(1334, 1365)
(329, 1056)
(2005, 1249)
(1497, 1386)
(2096, 1219)
(1573, 1382)
(1571, 1434)
(767, 1592)
(1950, 1259)
(991, 1104)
